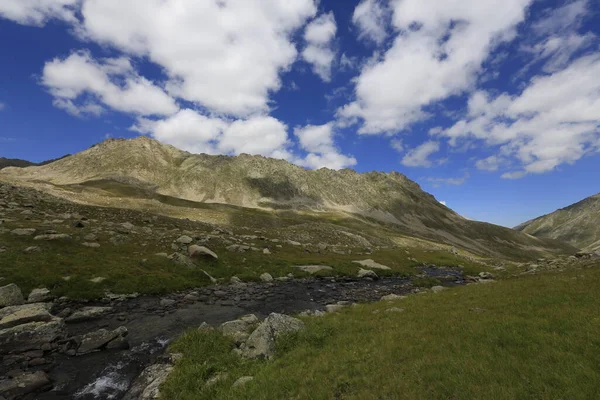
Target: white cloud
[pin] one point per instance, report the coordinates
(554, 121)
(2, 106)
(71, 79)
(191, 131)
(419, 156)
(442, 202)
(438, 52)
(448, 181)
(398, 145)
(38, 12)
(491, 163)
(562, 18)
(223, 55)
(319, 52)
(370, 17)
(317, 140)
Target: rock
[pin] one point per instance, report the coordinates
(331, 308)
(23, 232)
(261, 343)
(39, 296)
(392, 297)
(30, 336)
(437, 289)
(167, 302)
(486, 275)
(293, 243)
(87, 313)
(367, 273)
(236, 330)
(204, 327)
(101, 338)
(33, 249)
(236, 281)
(127, 226)
(91, 245)
(98, 279)
(372, 264)
(266, 277)
(395, 310)
(22, 314)
(196, 251)
(147, 385)
(53, 237)
(184, 240)
(249, 319)
(90, 237)
(11, 295)
(266, 251)
(243, 381)
(219, 377)
(24, 384)
(312, 269)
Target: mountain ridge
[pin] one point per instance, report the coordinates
(146, 168)
(577, 224)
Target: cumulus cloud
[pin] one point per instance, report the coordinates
(191, 131)
(38, 12)
(224, 56)
(1, 106)
(319, 52)
(317, 140)
(437, 52)
(448, 181)
(370, 17)
(419, 156)
(553, 121)
(491, 163)
(111, 82)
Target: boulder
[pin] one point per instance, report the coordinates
(88, 313)
(147, 385)
(39, 295)
(24, 384)
(184, 240)
(486, 275)
(437, 289)
(392, 297)
(23, 232)
(99, 339)
(372, 264)
(331, 308)
(11, 295)
(243, 381)
(53, 237)
(313, 269)
(31, 336)
(196, 251)
(367, 273)
(261, 343)
(266, 277)
(22, 314)
(236, 330)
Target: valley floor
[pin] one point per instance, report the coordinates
(528, 337)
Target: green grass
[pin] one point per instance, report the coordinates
(537, 338)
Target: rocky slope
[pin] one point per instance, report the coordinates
(143, 168)
(577, 224)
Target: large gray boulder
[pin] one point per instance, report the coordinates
(366, 273)
(24, 384)
(11, 295)
(88, 313)
(261, 343)
(53, 237)
(313, 269)
(23, 232)
(147, 385)
(236, 330)
(18, 315)
(39, 296)
(196, 251)
(372, 264)
(31, 336)
(99, 339)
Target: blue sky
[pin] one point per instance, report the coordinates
(493, 106)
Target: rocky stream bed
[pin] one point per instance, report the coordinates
(142, 327)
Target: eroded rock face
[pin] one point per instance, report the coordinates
(100, 339)
(31, 336)
(24, 384)
(11, 295)
(22, 314)
(261, 343)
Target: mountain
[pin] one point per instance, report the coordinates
(577, 224)
(143, 172)
(15, 162)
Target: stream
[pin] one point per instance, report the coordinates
(152, 326)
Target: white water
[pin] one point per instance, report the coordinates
(107, 386)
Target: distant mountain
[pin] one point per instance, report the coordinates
(146, 168)
(15, 162)
(578, 224)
